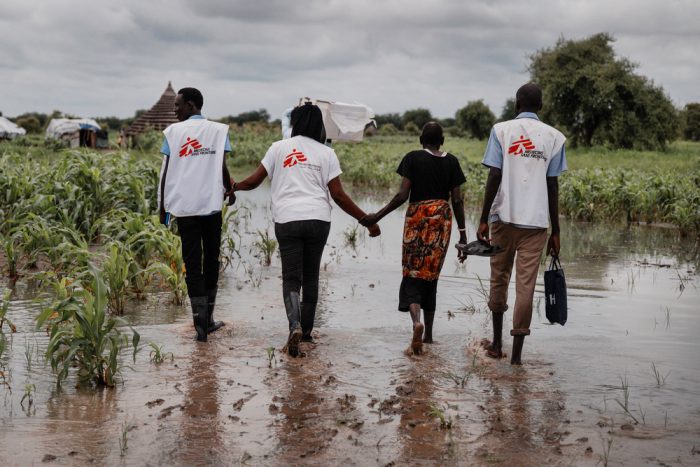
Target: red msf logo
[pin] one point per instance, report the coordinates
(290, 160)
(521, 145)
(189, 147)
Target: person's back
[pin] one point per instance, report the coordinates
(529, 146)
(195, 170)
(300, 169)
(432, 176)
(525, 158)
(305, 174)
(193, 180)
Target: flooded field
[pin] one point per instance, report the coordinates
(618, 385)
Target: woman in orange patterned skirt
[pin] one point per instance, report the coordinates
(431, 178)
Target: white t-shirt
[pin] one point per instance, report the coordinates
(300, 169)
(194, 181)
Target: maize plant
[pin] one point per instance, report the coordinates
(84, 336)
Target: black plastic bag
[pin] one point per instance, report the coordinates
(555, 292)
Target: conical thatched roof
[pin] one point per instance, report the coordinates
(159, 117)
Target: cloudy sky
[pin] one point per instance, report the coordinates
(95, 58)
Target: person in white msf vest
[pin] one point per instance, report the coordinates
(193, 181)
(305, 175)
(525, 156)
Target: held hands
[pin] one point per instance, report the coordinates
(231, 197)
(230, 194)
(368, 220)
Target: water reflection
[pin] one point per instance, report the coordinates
(307, 427)
(201, 441)
(72, 415)
(524, 414)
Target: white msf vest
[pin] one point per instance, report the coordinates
(528, 147)
(194, 180)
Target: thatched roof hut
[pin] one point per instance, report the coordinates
(159, 117)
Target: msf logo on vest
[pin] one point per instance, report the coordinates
(189, 147)
(525, 148)
(293, 158)
(192, 147)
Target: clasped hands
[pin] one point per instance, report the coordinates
(370, 221)
(230, 194)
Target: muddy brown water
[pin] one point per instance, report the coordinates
(356, 398)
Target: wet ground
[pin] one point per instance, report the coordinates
(356, 398)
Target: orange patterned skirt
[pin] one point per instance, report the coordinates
(426, 235)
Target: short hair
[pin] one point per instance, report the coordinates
(529, 96)
(432, 135)
(192, 95)
(307, 120)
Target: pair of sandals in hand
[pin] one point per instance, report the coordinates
(479, 248)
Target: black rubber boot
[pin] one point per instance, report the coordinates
(292, 304)
(200, 316)
(213, 325)
(518, 342)
(308, 314)
(293, 340)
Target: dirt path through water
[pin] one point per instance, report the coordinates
(357, 399)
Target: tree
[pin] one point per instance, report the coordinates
(30, 123)
(391, 118)
(111, 123)
(692, 121)
(596, 98)
(260, 115)
(43, 119)
(418, 117)
(411, 129)
(388, 129)
(509, 112)
(476, 118)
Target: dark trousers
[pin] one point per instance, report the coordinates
(301, 247)
(201, 241)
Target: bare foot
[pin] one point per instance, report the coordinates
(417, 342)
(491, 350)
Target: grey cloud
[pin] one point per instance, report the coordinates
(96, 58)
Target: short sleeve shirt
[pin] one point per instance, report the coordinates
(432, 177)
(493, 155)
(300, 169)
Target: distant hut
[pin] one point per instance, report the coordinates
(159, 117)
(77, 132)
(9, 130)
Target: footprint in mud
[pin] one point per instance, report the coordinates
(154, 403)
(347, 403)
(330, 380)
(386, 406)
(349, 414)
(166, 412)
(238, 405)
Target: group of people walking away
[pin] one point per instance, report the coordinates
(524, 157)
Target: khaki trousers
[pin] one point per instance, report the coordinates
(524, 247)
